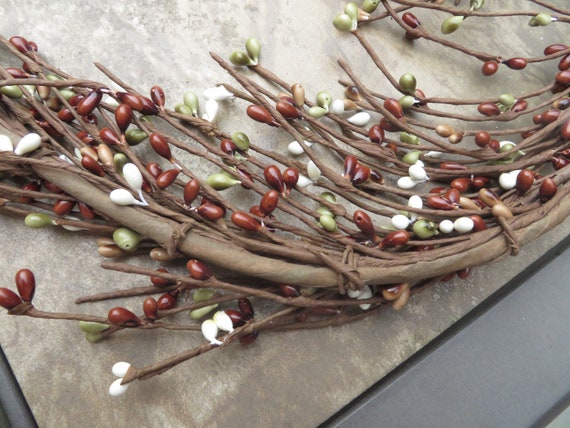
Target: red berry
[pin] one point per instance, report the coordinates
(411, 20)
(274, 178)
(482, 138)
(349, 167)
(123, 116)
(210, 211)
(198, 270)
(123, 317)
(376, 134)
(246, 307)
(547, 190)
(363, 221)
(89, 103)
(395, 239)
(260, 114)
(245, 221)
(490, 67)
(269, 202)
(109, 136)
(9, 299)
(166, 301)
(516, 63)
(157, 96)
(488, 109)
(26, 284)
(160, 145)
(160, 282)
(167, 177)
(191, 191)
(135, 102)
(62, 207)
(150, 308)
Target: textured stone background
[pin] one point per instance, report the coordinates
(287, 379)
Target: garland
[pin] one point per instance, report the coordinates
(377, 198)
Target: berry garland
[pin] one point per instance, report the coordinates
(413, 188)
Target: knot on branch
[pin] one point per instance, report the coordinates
(21, 309)
(510, 235)
(347, 271)
(177, 237)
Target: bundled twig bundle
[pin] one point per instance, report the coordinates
(379, 194)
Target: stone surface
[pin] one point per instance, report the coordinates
(285, 379)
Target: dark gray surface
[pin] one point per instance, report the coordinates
(505, 365)
(14, 411)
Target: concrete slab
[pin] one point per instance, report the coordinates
(287, 379)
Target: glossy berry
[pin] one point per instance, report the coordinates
(65, 115)
(395, 239)
(109, 136)
(269, 202)
(361, 174)
(123, 116)
(157, 96)
(478, 223)
(123, 317)
(210, 211)
(554, 48)
(288, 290)
(228, 146)
(149, 108)
(160, 282)
(563, 77)
(198, 270)
(488, 109)
(516, 63)
(438, 202)
(286, 106)
(20, 43)
(363, 221)
(290, 178)
(62, 208)
(274, 178)
(547, 190)
(32, 186)
(9, 299)
(394, 107)
(452, 166)
(519, 105)
(410, 19)
(238, 319)
(260, 114)
(490, 67)
(564, 63)
(26, 284)
(153, 169)
(135, 102)
(462, 184)
(167, 177)
(150, 308)
(160, 145)
(349, 166)
(525, 180)
(246, 308)
(376, 134)
(92, 165)
(245, 221)
(89, 103)
(191, 191)
(166, 301)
